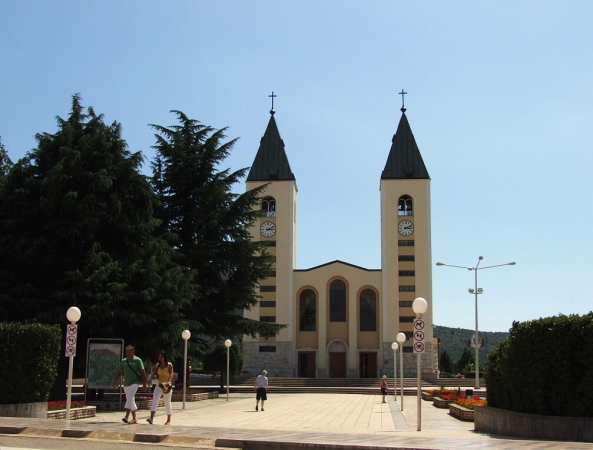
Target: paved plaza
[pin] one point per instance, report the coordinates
(321, 421)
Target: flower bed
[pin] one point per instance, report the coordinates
(470, 403)
(61, 404)
(442, 398)
(463, 408)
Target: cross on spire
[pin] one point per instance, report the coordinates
(403, 108)
(272, 110)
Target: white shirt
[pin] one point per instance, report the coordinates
(261, 381)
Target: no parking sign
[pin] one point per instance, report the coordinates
(419, 345)
(71, 336)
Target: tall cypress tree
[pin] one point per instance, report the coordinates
(5, 162)
(77, 229)
(212, 224)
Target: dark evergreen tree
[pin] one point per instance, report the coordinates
(467, 357)
(446, 362)
(212, 225)
(5, 162)
(214, 362)
(77, 229)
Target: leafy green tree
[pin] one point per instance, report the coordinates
(212, 225)
(214, 362)
(77, 229)
(446, 362)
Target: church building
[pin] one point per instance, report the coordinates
(341, 318)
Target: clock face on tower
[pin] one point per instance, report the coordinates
(267, 229)
(405, 228)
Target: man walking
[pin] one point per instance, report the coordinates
(261, 387)
(133, 371)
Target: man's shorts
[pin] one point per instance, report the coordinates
(261, 394)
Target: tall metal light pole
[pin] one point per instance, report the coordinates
(73, 315)
(227, 344)
(419, 306)
(185, 335)
(394, 348)
(476, 290)
(401, 338)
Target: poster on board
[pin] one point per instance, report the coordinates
(104, 362)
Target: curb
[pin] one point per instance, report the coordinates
(155, 438)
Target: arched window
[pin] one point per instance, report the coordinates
(337, 301)
(308, 310)
(268, 205)
(368, 310)
(405, 206)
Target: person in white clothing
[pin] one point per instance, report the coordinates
(261, 388)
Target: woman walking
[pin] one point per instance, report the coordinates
(164, 373)
(384, 387)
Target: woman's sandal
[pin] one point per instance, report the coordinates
(132, 422)
(167, 423)
(149, 420)
(124, 420)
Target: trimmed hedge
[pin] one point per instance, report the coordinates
(544, 367)
(29, 356)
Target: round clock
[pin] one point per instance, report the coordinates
(405, 228)
(267, 229)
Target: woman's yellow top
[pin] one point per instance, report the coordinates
(163, 374)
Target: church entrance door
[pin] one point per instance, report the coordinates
(337, 365)
(368, 365)
(306, 364)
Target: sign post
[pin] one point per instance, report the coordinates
(73, 315)
(419, 305)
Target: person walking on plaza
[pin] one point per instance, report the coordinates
(384, 387)
(164, 374)
(132, 369)
(261, 388)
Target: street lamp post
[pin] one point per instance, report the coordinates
(394, 348)
(73, 315)
(419, 306)
(185, 335)
(227, 344)
(401, 338)
(476, 290)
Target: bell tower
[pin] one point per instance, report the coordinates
(405, 241)
(277, 228)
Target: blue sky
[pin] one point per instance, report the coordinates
(500, 100)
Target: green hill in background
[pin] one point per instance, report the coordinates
(454, 340)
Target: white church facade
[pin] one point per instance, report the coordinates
(341, 319)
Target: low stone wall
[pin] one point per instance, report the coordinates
(194, 397)
(430, 378)
(31, 410)
(75, 413)
(440, 403)
(461, 413)
(426, 396)
(113, 405)
(532, 426)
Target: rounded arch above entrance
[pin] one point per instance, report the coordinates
(337, 346)
(337, 358)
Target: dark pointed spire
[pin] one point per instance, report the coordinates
(404, 160)
(271, 162)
